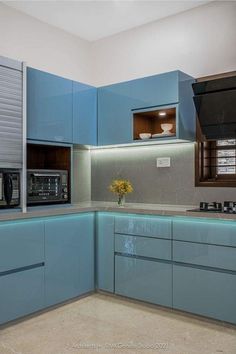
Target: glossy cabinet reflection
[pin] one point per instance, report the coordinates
(141, 245)
(60, 110)
(49, 107)
(84, 114)
(143, 279)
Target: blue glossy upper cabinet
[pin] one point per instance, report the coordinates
(114, 107)
(143, 105)
(49, 107)
(84, 114)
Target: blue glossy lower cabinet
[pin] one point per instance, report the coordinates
(143, 279)
(21, 293)
(205, 292)
(105, 251)
(69, 257)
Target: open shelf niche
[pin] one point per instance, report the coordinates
(150, 121)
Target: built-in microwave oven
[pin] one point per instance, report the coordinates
(47, 187)
(9, 188)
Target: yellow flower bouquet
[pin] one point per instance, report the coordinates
(121, 187)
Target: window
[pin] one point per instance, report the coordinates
(216, 163)
(226, 157)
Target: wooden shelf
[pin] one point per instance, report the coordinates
(150, 121)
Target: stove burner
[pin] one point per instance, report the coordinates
(214, 206)
(227, 207)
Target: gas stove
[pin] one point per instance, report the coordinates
(228, 207)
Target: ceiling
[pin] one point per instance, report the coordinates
(93, 20)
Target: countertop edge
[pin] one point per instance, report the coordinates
(131, 209)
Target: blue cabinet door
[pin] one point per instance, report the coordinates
(49, 107)
(21, 293)
(155, 90)
(69, 257)
(143, 279)
(114, 114)
(205, 292)
(21, 244)
(84, 114)
(105, 252)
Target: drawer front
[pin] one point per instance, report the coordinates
(204, 292)
(21, 293)
(143, 226)
(144, 280)
(211, 232)
(21, 244)
(143, 246)
(205, 255)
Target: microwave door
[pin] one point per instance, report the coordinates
(8, 188)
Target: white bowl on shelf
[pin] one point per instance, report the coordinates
(166, 127)
(144, 136)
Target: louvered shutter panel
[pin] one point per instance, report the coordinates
(11, 117)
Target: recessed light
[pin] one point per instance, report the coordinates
(162, 114)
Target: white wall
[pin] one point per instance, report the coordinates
(42, 46)
(200, 42)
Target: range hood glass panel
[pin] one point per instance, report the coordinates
(216, 108)
(227, 83)
(223, 131)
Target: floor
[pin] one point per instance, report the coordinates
(105, 324)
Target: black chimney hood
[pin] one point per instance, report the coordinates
(215, 102)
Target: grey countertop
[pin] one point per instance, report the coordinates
(137, 208)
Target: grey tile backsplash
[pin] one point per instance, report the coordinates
(173, 185)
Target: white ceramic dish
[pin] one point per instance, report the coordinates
(166, 127)
(162, 135)
(144, 136)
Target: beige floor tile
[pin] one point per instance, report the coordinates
(105, 324)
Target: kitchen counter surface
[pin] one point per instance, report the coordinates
(136, 208)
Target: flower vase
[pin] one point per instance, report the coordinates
(121, 200)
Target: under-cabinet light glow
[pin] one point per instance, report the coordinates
(162, 114)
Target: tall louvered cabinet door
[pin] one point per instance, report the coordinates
(11, 115)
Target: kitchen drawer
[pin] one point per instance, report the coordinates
(205, 255)
(205, 292)
(21, 244)
(145, 280)
(21, 293)
(143, 226)
(143, 246)
(205, 231)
